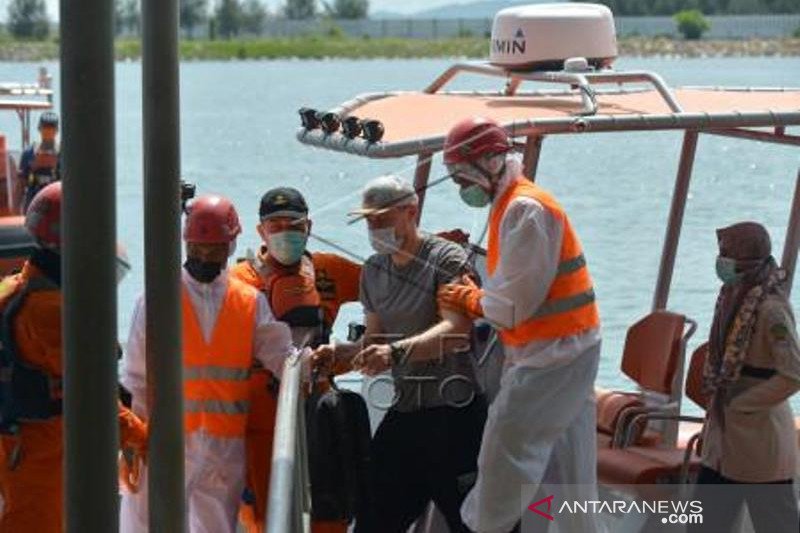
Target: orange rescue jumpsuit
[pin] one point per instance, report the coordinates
(337, 282)
(31, 474)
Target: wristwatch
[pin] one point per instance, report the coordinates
(398, 353)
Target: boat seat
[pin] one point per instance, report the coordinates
(694, 377)
(653, 350)
(636, 464)
(613, 409)
(652, 354)
(687, 430)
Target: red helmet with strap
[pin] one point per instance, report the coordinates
(473, 137)
(43, 217)
(211, 219)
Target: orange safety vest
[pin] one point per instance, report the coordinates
(569, 307)
(216, 374)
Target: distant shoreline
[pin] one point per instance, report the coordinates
(318, 47)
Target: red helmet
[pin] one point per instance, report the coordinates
(43, 217)
(211, 219)
(473, 137)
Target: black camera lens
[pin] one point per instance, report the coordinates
(373, 130)
(188, 191)
(308, 117)
(330, 121)
(351, 127)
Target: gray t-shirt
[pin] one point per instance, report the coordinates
(404, 298)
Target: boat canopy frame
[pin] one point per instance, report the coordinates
(288, 484)
(589, 119)
(24, 98)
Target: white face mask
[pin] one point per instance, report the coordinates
(384, 240)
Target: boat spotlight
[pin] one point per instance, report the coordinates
(330, 121)
(351, 127)
(309, 118)
(373, 130)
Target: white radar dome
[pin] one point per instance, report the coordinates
(543, 36)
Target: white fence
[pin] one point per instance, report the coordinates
(722, 27)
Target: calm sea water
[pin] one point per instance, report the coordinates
(239, 120)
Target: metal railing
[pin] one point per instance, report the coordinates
(289, 505)
(580, 79)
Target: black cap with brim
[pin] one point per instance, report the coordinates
(48, 118)
(283, 202)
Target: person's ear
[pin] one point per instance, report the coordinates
(413, 210)
(308, 227)
(261, 232)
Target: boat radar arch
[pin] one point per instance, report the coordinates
(544, 36)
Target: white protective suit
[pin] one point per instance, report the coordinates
(541, 426)
(215, 467)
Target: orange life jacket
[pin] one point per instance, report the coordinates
(292, 292)
(29, 389)
(217, 373)
(293, 295)
(569, 307)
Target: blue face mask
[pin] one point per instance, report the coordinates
(726, 270)
(474, 196)
(287, 247)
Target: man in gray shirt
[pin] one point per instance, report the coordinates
(426, 447)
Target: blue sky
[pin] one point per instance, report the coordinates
(397, 6)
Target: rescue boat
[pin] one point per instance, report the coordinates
(23, 99)
(554, 66)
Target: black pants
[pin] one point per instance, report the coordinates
(423, 456)
(772, 506)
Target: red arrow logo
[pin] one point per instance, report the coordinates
(548, 501)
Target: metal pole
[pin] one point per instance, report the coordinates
(673, 235)
(530, 159)
(777, 137)
(789, 259)
(88, 261)
(284, 496)
(162, 211)
(421, 175)
(26, 128)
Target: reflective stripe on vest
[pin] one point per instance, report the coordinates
(569, 307)
(217, 407)
(216, 374)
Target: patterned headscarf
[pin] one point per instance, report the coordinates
(735, 312)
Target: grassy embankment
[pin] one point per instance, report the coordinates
(315, 47)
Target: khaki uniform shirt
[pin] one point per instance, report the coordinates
(759, 442)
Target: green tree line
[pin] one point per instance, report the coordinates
(28, 19)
